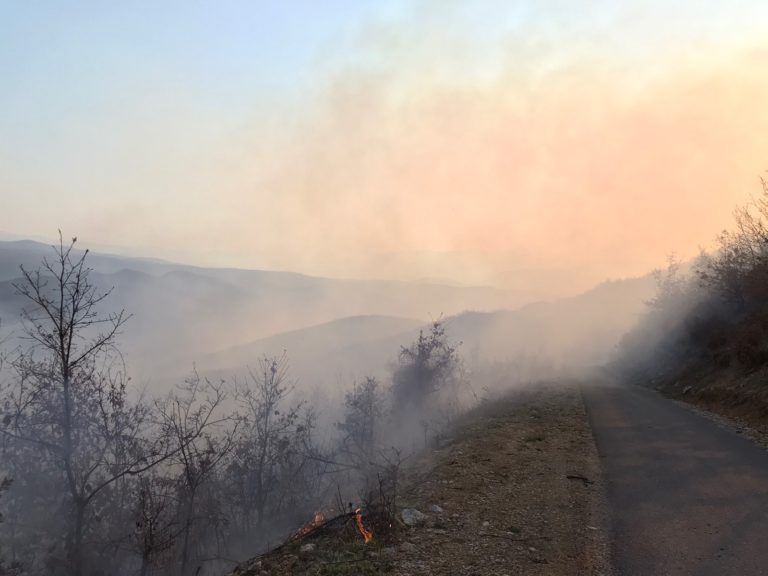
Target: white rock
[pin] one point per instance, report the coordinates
(436, 509)
(307, 548)
(412, 517)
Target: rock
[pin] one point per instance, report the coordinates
(486, 524)
(408, 547)
(389, 552)
(412, 517)
(436, 509)
(307, 548)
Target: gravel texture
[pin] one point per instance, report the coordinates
(520, 489)
(515, 489)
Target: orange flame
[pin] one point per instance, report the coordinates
(309, 526)
(367, 534)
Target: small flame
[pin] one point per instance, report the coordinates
(366, 534)
(317, 520)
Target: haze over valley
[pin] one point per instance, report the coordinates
(223, 320)
(403, 288)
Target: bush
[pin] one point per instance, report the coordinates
(425, 367)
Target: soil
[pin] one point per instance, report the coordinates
(733, 392)
(732, 398)
(515, 489)
(521, 493)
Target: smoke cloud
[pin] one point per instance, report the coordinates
(551, 144)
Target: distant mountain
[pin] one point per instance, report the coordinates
(182, 313)
(576, 332)
(224, 319)
(342, 349)
(29, 253)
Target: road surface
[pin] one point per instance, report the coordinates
(687, 497)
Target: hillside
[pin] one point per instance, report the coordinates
(222, 320)
(571, 333)
(346, 348)
(181, 313)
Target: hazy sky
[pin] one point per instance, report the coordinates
(464, 140)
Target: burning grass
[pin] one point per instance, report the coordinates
(352, 543)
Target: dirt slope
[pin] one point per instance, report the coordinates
(509, 504)
(519, 491)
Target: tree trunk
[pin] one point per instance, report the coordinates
(76, 541)
(144, 564)
(187, 531)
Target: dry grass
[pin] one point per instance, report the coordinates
(509, 506)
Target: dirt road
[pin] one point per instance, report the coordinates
(520, 492)
(687, 497)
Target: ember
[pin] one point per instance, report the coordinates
(366, 534)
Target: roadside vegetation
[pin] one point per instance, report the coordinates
(98, 476)
(705, 334)
(515, 487)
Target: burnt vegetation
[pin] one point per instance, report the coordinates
(98, 476)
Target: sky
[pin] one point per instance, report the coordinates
(476, 142)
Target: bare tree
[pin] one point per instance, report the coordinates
(363, 408)
(13, 569)
(201, 438)
(69, 399)
(156, 526)
(738, 270)
(268, 453)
